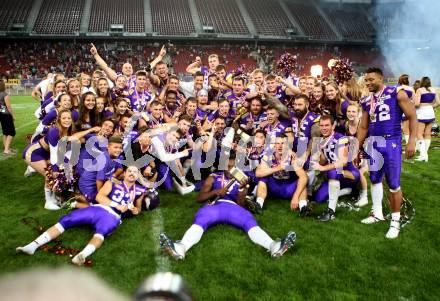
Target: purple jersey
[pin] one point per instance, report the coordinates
(256, 119)
(123, 195)
(139, 100)
(385, 115)
(235, 100)
(282, 175)
(220, 181)
(303, 127)
(276, 129)
(280, 94)
(331, 145)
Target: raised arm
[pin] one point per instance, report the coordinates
(195, 66)
(102, 64)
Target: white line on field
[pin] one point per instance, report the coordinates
(162, 261)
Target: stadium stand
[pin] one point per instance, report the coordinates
(223, 15)
(176, 21)
(107, 12)
(351, 22)
(268, 17)
(311, 21)
(14, 12)
(61, 17)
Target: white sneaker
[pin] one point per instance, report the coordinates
(29, 171)
(79, 259)
(361, 202)
(393, 231)
(371, 220)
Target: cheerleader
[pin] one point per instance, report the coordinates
(425, 101)
(45, 150)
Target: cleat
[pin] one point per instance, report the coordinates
(252, 205)
(79, 259)
(279, 247)
(372, 219)
(169, 246)
(327, 215)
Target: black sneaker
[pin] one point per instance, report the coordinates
(327, 215)
(252, 205)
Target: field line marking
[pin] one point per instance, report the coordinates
(162, 261)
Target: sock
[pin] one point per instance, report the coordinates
(377, 196)
(47, 194)
(311, 175)
(395, 216)
(260, 201)
(182, 180)
(33, 246)
(192, 236)
(333, 191)
(422, 148)
(302, 203)
(344, 191)
(406, 138)
(363, 194)
(259, 237)
(427, 145)
(88, 250)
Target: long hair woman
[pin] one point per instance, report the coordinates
(44, 151)
(425, 100)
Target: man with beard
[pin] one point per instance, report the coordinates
(252, 120)
(305, 126)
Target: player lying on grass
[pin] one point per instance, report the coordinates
(116, 199)
(227, 209)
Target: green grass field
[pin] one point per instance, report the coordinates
(340, 260)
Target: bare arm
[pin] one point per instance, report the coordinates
(416, 98)
(102, 64)
(8, 106)
(363, 129)
(103, 199)
(194, 67)
(206, 193)
(263, 170)
(159, 57)
(410, 112)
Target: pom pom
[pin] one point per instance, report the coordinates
(286, 64)
(341, 69)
